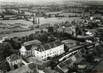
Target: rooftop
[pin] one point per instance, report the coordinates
(22, 69)
(14, 57)
(35, 60)
(53, 12)
(70, 43)
(47, 46)
(33, 42)
(29, 44)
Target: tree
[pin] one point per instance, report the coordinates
(7, 49)
(4, 66)
(31, 37)
(33, 67)
(15, 43)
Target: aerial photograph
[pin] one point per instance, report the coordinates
(51, 36)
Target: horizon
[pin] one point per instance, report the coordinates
(41, 2)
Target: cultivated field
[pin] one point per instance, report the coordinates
(13, 25)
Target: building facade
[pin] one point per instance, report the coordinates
(26, 48)
(15, 61)
(43, 53)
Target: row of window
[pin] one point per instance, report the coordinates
(47, 54)
(16, 62)
(29, 53)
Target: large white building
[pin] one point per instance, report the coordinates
(26, 48)
(48, 50)
(43, 51)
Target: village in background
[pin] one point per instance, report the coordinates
(51, 38)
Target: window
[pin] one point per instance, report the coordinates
(15, 66)
(37, 52)
(55, 52)
(42, 56)
(48, 54)
(45, 55)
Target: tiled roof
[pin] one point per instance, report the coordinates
(47, 46)
(33, 42)
(65, 63)
(53, 12)
(14, 57)
(70, 43)
(22, 69)
(35, 60)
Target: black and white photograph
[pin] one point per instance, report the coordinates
(51, 36)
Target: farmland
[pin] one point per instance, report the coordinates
(12, 28)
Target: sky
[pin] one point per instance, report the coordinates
(36, 1)
(44, 1)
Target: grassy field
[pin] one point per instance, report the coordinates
(19, 34)
(17, 22)
(28, 23)
(57, 20)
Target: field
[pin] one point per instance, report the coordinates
(22, 24)
(18, 34)
(17, 22)
(57, 20)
